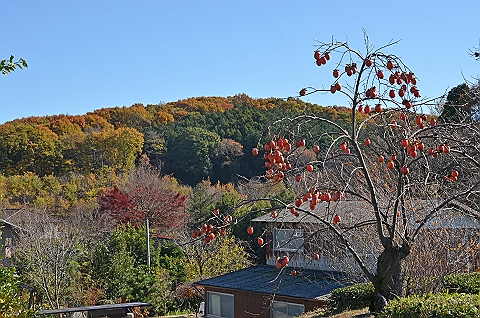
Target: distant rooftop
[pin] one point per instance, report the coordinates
(22, 215)
(343, 207)
(455, 215)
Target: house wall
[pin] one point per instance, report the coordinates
(256, 305)
(443, 251)
(6, 243)
(443, 241)
(304, 259)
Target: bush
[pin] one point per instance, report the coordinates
(423, 285)
(434, 305)
(118, 268)
(352, 297)
(12, 302)
(419, 304)
(468, 283)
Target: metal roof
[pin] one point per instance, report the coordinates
(309, 284)
(92, 309)
(10, 225)
(22, 217)
(456, 215)
(354, 208)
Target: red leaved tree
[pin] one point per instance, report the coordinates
(147, 195)
(118, 204)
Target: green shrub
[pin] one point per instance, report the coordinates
(423, 285)
(118, 267)
(352, 297)
(12, 302)
(468, 283)
(434, 305)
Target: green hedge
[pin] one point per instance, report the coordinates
(360, 295)
(468, 283)
(352, 297)
(434, 305)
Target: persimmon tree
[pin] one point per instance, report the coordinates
(402, 165)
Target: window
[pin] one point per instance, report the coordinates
(220, 305)
(289, 240)
(8, 252)
(8, 242)
(282, 309)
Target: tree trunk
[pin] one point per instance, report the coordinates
(389, 279)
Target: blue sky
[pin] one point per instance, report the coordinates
(85, 55)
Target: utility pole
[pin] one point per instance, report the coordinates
(147, 230)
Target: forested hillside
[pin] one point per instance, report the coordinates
(103, 174)
(100, 176)
(53, 162)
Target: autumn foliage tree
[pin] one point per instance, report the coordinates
(147, 195)
(400, 164)
(119, 205)
(223, 255)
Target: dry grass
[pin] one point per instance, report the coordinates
(178, 316)
(359, 313)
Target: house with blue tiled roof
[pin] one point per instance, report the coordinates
(271, 291)
(270, 281)
(266, 291)
(317, 264)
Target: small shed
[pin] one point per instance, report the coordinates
(14, 222)
(266, 291)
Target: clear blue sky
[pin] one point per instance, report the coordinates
(85, 55)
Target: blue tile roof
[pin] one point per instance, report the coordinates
(308, 284)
